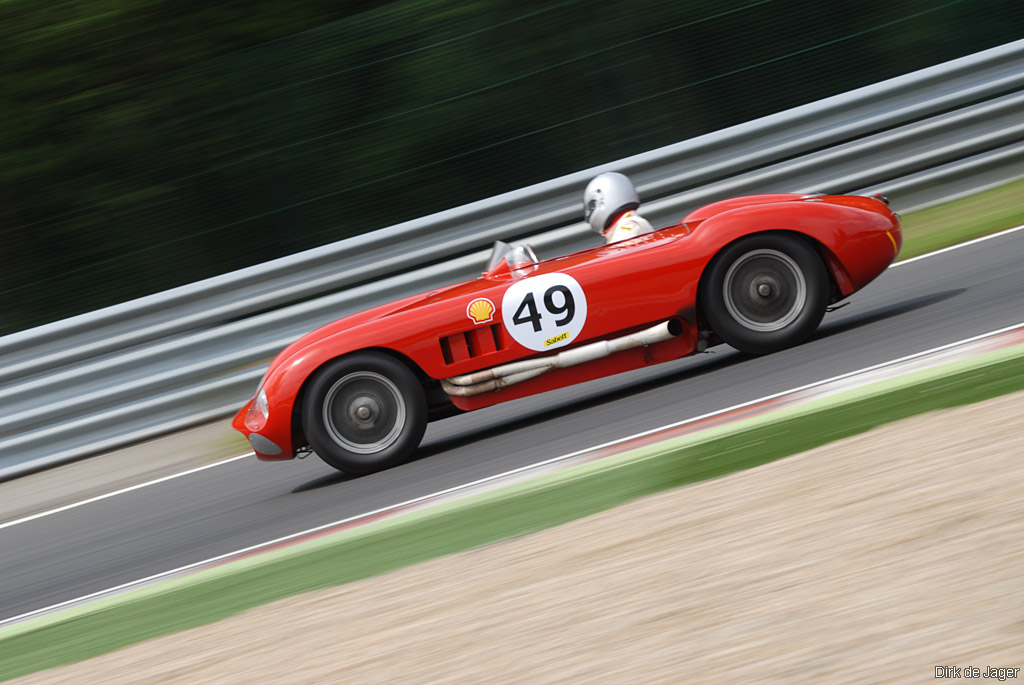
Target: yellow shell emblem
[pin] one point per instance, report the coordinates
(480, 310)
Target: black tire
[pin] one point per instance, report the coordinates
(765, 292)
(364, 413)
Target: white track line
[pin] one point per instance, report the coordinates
(310, 531)
(226, 461)
(138, 486)
(959, 245)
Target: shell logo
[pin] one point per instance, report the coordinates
(480, 310)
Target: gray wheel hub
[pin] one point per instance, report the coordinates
(765, 290)
(364, 412)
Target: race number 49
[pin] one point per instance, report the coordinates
(544, 312)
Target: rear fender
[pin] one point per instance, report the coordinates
(838, 277)
(852, 239)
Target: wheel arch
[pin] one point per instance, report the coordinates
(839, 280)
(431, 388)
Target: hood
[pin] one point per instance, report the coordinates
(379, 312)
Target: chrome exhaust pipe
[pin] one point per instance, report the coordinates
(503, 376)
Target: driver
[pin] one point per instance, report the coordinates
(608, 206)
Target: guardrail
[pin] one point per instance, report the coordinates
(188, 355)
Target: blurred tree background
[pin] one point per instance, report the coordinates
(146, 144)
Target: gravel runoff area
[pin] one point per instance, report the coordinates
(877, 558)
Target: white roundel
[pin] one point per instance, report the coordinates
(544, 312)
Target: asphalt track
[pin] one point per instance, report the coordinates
(118, 540)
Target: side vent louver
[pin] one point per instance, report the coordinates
(475, 342)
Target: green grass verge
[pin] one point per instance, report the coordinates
(515, 510)
(965, 219)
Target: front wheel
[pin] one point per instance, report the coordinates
(765, 292)
(364, 413)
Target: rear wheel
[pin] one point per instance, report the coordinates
(365, 412)
(765, 292)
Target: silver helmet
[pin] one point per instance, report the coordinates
(607, 196)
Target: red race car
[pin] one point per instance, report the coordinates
(755, 272)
